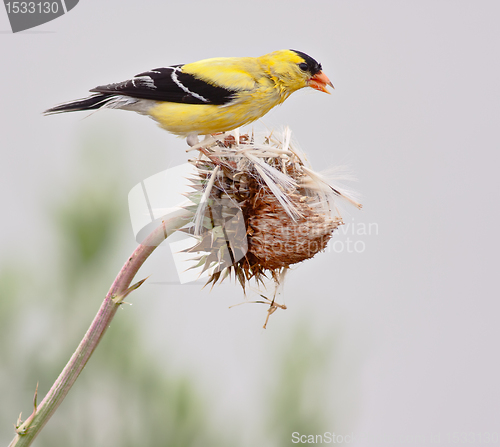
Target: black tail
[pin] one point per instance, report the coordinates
(91, 103)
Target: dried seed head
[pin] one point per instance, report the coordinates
(277, 240)
(260, 208)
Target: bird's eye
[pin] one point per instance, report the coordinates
(303, 66)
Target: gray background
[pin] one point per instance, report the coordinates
(414, 114)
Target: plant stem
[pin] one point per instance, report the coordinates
(27, 431)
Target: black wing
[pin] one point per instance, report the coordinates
(170, 84)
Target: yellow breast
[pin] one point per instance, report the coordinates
(183, 119)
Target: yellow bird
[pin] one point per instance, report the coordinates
(209, 96)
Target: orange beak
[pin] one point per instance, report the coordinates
(319, 82)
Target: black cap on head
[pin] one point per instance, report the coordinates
(312, 65)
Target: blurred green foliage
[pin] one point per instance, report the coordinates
(298, 400)
(124, 397)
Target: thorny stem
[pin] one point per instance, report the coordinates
(29, 429)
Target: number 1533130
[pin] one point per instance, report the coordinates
(32, 7)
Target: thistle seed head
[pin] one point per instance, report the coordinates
(259, 208)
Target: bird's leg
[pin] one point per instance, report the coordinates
(192, 139)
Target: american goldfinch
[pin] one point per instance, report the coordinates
(209, 96)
